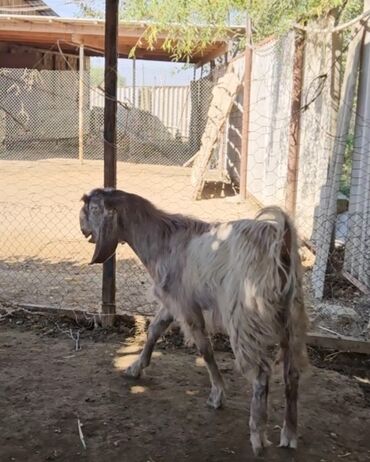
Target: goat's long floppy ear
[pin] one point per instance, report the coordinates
(108, 237)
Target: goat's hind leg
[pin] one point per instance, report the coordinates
(258, 412)
(288, 437)
(157, 327)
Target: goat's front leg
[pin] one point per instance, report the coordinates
(204, 346)
(288, 438)
(157, 328)
(258, 413)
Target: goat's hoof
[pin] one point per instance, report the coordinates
(259, 442)
(266, 442)
(288, 439)
(216, 398)
(257, 446)
(134, 371)
(257, 451)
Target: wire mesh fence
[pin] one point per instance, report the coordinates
(161, 131)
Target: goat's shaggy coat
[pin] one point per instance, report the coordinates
(243, 277)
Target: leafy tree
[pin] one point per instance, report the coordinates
(190, 25)
(97, 77)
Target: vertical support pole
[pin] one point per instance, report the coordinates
(134, 81)
(294, 125)
(110, 146)
(248, 56)
(81, 104)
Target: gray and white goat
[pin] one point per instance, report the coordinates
(243, 276)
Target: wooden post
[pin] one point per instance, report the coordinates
(81, 105)
(246, 109)
(294, 125)
(110, 146)
(134, 81)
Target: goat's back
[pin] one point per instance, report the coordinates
(252, 280)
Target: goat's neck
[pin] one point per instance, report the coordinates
(149, 236)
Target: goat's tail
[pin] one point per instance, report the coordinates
(286, 256)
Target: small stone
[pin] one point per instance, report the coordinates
(334, 435)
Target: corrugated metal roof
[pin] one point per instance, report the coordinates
(26, 7)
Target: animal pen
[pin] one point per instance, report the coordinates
(286, 124)
(305, 148)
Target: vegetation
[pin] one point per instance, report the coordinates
(190, 25)
(97, 78)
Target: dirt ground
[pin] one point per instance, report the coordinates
(43, 255)
(46, 386)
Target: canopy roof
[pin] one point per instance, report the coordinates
(48, 32)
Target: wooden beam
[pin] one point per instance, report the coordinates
(30, 30)
(295, 122)
(110, 145)
(35, 26)
(340, 343)
(209, 55)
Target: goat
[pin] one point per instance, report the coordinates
(242, 275)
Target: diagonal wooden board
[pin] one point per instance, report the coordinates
(223, 97)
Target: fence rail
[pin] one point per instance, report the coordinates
(159, 130)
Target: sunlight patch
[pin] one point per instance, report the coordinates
(122, 362)
(224, 231)
(192, 392)
(136, 389)
(200, 362)
(215, 245)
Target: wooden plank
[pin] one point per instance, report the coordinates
(294, 124)
(24, 29)
(365, 289)
(223, 96)
(341, 343)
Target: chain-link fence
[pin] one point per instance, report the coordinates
(44, 258)
(164, 135)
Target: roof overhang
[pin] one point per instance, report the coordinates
(66, 34)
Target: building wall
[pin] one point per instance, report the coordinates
(14, 56)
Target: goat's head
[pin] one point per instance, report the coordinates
(99, 222)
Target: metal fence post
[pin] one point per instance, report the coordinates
(110, 146)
